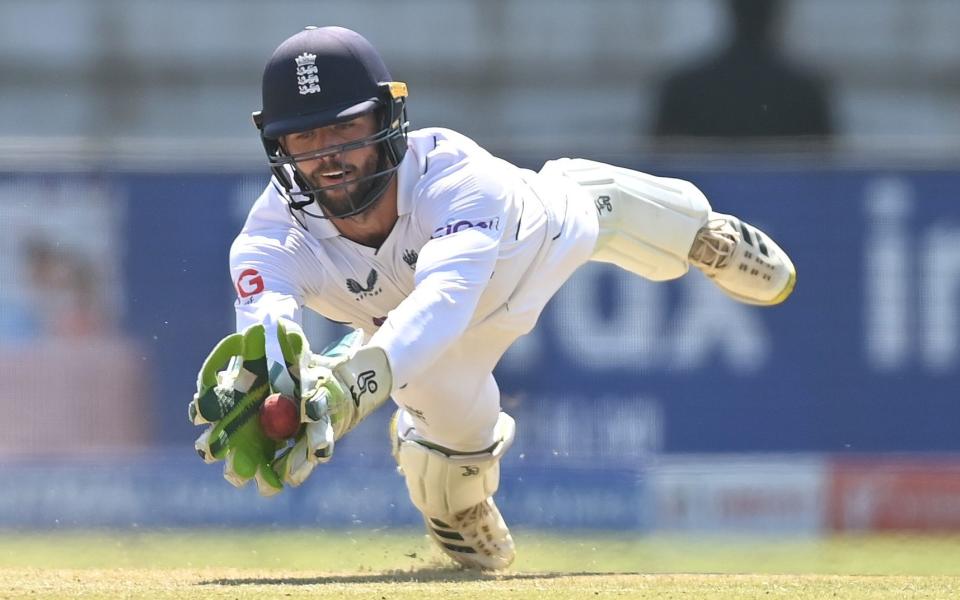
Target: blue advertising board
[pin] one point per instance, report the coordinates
(619, 372)
(864, 357)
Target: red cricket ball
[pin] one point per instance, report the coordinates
(279, 417)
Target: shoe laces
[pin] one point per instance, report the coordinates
(714, 244)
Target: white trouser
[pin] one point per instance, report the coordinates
(642, 223)
(457, 403)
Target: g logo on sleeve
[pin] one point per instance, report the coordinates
(249, 283)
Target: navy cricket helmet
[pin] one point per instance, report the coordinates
(319, 77)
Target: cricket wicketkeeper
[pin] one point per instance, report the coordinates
(440, 255)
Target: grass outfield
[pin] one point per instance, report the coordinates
(399, 565)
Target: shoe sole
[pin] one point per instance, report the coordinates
(783, 295)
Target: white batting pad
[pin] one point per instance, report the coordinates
(442, 484)
(647, 223)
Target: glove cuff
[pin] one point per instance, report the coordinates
(368, 379)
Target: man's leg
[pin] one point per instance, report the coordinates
(656, 227)
(451, 434)
(454, 492)
(448, 438)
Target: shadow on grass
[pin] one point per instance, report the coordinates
(425, 575)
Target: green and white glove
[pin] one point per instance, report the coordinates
(335, 390)
(229, 402)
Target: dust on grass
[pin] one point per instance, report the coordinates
(442, 582)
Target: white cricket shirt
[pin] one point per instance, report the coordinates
(470, 226)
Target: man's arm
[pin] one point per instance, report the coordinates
(268, 285)
(246, 366)
(334, 390)
(452, 273)
(268, 310)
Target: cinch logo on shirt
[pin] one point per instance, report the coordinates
(455, 226)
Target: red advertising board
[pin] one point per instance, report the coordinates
(909, 494)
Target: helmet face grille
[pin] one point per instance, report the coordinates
(361, 192)
(323, 76)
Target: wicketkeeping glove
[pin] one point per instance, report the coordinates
(229, 401)
(334, 390)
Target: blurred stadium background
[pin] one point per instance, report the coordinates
(127, 163)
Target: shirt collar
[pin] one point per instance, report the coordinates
(409, 173)
(320, 228)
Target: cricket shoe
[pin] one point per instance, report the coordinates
(477, 538)
(743, 261)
